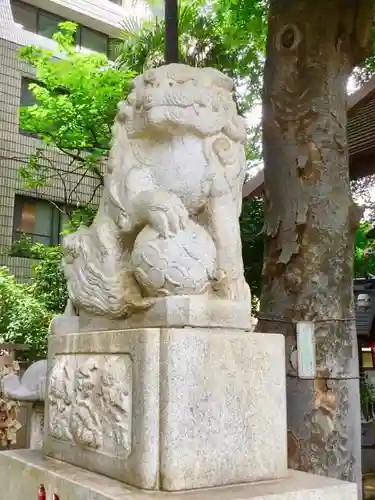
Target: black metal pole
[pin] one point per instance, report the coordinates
(171, 31)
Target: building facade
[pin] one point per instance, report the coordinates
(33, 22)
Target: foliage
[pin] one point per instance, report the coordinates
(77, 95)
(362, 190)
(81, 215)
(363, 73)
(367, 392)
(367, 399)
(48, 282)
(209, 36)
(251, 222)
(364, 256)
(23, 317)
(27, 309)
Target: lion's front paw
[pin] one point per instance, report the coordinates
(230, 289)
(166, 213)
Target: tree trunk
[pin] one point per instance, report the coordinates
(311, 221)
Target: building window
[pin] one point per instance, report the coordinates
(46, 24)
(37, 220)
(92, 40)
(26, 15)
(27, 97)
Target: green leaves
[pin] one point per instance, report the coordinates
(48, 282)
(251, 223)
(77, 93)
(35, 172)
(23, 317)
(26, 310)
(364, 253)
(80, 216)
(77, 102)
(216, 34)
(77, 96)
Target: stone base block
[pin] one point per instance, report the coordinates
(169, 408)
(23, 471)
(175, 311)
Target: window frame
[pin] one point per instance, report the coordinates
(26, 7)
(29, 79)
(47, 14)
(81, 29)
(39, 11)
(56, 222)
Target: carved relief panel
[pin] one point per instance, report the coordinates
(90, 402)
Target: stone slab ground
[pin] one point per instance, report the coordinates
(23, 471)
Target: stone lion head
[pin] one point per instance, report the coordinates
(175, 98)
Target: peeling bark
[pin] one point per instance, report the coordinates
(311, 221)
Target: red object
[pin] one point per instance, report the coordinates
(41, 493)
(373, 353)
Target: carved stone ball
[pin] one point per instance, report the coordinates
(179, 265)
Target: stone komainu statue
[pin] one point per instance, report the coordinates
(167, 223)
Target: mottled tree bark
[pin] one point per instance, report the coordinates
(311, 221)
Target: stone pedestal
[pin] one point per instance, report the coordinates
(37, 426)
(169, 408)
(23, 471)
